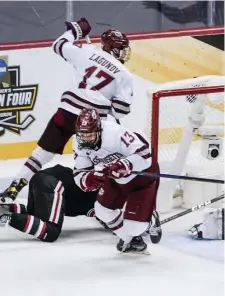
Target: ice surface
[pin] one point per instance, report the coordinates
(84, 261)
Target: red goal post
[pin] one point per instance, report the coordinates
(156, 97)
(184, 118)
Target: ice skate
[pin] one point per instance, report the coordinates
(155, 230)
(136, 245)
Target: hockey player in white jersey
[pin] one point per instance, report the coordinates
(115, 151)
(100, 81)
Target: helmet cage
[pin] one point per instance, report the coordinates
(122, 55)
(92, 143)
(117, 44)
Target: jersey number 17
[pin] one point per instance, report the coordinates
(91, 71)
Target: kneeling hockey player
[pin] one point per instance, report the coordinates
(52, 195)
(116, 151)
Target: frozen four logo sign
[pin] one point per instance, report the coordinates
(14, 99)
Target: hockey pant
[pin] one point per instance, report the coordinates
(44, 215)
(59, 130)
(139, 198)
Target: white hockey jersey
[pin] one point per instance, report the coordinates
(100, 81)
(117, 142)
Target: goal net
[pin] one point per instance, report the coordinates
(186, 131)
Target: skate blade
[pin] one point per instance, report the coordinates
(144, 252)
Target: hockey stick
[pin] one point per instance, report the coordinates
(179, 177)
(27, 121)
(193, 209)
(167, 176)
(7, 118)
(88, 40)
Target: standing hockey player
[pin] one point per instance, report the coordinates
(52, 195)
(100, 81)
(115, 151)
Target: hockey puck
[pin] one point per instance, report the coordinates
(2, 131)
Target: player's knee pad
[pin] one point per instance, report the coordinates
(104, 214)
(140, 204)
(52, 232)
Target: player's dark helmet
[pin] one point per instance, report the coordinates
(117, 44)
(88, 128)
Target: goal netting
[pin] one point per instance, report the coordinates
(185, 117)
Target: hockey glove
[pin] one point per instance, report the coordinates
(92, 181)
(80, 28)
(10, 194)
(119, 169)
(196, 231)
